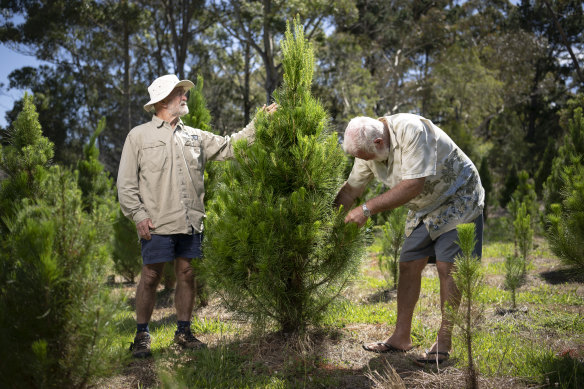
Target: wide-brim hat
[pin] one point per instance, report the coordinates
(161, 88)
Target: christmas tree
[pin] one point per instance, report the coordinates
(55, 313)
(277, 249)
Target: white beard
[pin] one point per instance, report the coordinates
(179, 109)
(183, 109)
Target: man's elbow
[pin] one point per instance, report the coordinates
(417, 186)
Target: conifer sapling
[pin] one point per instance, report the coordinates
(277, 249)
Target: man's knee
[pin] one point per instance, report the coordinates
(151, 274)
(183, 270)
(444, 269)
(412, 267)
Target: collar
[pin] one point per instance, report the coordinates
(385, 120)
(158, 122)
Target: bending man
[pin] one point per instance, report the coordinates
(429, 174)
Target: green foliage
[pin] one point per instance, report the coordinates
(55, 311)
(566, 222)
(94, 182)
(524, 193)
(468, 276)
(393, 239)
(523, 234)
(571, 151)
(277, 249)
(511, 182)
(514, 275)
(126, 254)
(22, 160)
(466, 93)
(198, 116)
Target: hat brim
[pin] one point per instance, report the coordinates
(183, 83)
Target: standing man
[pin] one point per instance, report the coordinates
(429, 174)
(160, 187)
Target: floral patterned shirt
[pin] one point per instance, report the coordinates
(452, 192)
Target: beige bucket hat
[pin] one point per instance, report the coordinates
(162, 86)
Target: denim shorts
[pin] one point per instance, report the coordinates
(444, 249)
(165, 248)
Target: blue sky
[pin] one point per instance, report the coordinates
(11, 60)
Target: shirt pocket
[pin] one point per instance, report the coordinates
(154, 156)
(193, 156)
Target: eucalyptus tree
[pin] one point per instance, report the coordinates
(261, 24)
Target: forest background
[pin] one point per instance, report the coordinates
(495, 75)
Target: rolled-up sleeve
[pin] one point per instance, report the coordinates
(128, 186)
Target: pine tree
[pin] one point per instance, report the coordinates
(468, 277)
(54, 310)
(525, 194)
(199, 116)
(523, 235)
(563, 195)
(277, 249)
(393, 239)
(23, 160)
(566, 221)
(569, 153)
(94, 182)
(514, 276)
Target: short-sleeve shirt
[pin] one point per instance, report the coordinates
(452, 192)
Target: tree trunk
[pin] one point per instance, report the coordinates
(127, 95)
(246, 88)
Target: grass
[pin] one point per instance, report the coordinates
(541, 344)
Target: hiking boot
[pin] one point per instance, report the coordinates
(141, 346)
(188, 340)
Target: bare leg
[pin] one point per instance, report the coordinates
(185, 289)
(450, 294)
(408, 292)
(146, 291)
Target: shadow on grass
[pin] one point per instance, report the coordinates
(561, 371)
(383, 296)
(278, 361)
(561, 276)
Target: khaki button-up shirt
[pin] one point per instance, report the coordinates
(452, 192)
(161, 173)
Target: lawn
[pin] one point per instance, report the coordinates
(539, 344)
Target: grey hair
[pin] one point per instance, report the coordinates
(360, 134)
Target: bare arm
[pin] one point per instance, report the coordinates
(393, 198)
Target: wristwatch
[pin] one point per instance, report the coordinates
(366, 211)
